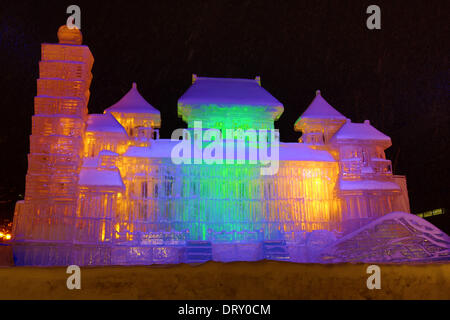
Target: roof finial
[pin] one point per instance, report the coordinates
(317, 92)
(366, 122)
(258, 79)
(194, 78)
(69, 36)
(134, 85)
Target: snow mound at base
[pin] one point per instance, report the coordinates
(395, 237)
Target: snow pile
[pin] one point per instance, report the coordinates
(395, 237)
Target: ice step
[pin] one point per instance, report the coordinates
(198, 251)
(275, 250)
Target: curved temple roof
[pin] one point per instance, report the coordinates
(319, 108)
(133, 102)
(230, 92)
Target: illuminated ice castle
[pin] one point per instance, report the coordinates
(105, 189)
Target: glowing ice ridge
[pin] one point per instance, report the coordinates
(104, 189)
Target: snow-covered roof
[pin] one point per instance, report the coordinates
(321, 109)
(133, 102)
(107, 153)
(354, 185)
(90, 162)
(98, 177)
(104, 123)
(228, 91)
(360, 131)
(162, 148)
(300, 152)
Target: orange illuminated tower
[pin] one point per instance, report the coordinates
(56, 142)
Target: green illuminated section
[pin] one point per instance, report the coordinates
(219, 198)
(229, 116)
(224, 197)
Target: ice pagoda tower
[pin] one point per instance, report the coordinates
(56, 142)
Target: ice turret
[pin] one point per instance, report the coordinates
(136, 115)
(361, 149)
(319, 122)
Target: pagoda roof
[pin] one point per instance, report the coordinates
(133, 102)
(228, 91)
(319, 108)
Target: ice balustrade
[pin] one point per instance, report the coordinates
(355, 167)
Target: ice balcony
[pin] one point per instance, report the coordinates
(375, 167)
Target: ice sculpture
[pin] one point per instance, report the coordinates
(104, 189)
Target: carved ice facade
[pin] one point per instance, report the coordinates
(103, 189)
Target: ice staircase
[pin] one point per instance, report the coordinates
(275, 250)
(198, 251)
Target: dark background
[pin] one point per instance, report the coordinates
(397, 77)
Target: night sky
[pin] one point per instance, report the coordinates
(397, 77)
